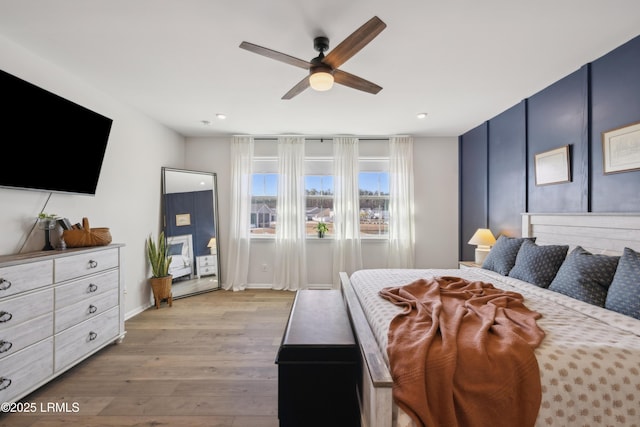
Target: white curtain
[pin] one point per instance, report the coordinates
(240, 219)
(290, 267)
(401, 211)
(347, 254)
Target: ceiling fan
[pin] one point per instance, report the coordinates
(323, 70)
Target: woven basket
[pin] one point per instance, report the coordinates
(87, 236)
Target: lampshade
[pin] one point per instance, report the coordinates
(212, 245)
(321, 80)
(482, 237)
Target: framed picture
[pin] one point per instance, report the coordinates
(621, 149)
(183, 219)
(552, 167)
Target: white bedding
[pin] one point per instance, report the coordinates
(181, 252)
(589, 359)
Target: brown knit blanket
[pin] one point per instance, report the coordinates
(461, 354)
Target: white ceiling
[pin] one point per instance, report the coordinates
(461, 61)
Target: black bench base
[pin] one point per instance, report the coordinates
(318, 364)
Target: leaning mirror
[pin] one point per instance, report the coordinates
(191, 226)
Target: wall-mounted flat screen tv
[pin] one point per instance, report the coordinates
(48, 142)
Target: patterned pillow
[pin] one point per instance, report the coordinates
(585, 276)
(624, 292)
(502, 256)
(538, 264)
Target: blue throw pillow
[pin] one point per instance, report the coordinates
(585, 276)
(624, 292)
(175, 249)
(502, 256)
(538, 264)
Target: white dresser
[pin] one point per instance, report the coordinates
(56, 309)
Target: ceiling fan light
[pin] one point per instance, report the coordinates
(321, 81)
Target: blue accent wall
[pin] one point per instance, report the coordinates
(615, 100)
(507, 170)
(199, 205)
(558, 116)
(498, 184)
(473, 187)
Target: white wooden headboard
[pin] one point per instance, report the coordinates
(599, 233)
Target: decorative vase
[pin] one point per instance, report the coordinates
(321, 234)
(161, 287)
(47, 225)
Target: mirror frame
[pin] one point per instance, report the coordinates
(193, 289)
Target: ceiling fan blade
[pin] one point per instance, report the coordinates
(278, 56)
(355, 82)
(356, 41)
(297, 89)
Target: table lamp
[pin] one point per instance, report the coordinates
(212, 245)
(484, 239)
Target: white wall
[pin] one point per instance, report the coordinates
(436, 204)
(128, 193)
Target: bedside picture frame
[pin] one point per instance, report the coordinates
(553, 166)
(621, 149)
(183, 219)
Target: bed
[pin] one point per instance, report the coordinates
(589, 360)
(181, 252)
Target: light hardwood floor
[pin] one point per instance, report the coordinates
(207, 361)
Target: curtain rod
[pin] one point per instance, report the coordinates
(321, 138)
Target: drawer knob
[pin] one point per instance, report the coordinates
(92, 309)
(92, 287)
(5, 346)
(5, 316)
(4, 284)
(93, 264)
(4, 383)
(92, 336)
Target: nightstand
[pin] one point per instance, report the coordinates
(206, 265)
(468, 264)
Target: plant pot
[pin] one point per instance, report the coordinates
(321, 234)
(161, 287)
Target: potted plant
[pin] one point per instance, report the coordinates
(322, 228)
(160, 281)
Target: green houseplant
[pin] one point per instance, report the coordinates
(322, 228)
(159, 259)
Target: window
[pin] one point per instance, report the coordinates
(319, 203)
(264, 189)
(374, 203)
(319, 190)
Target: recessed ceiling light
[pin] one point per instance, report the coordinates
(221, 116)
(422, 115)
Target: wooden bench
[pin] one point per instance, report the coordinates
(318, 364)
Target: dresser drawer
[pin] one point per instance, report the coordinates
(75, 266)
(76, 342)
(25, 369)
(208, 270)
(207, 260)
(25, 277)
(86, 309)
(20, 309)
(79, 290)
(24, 334)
